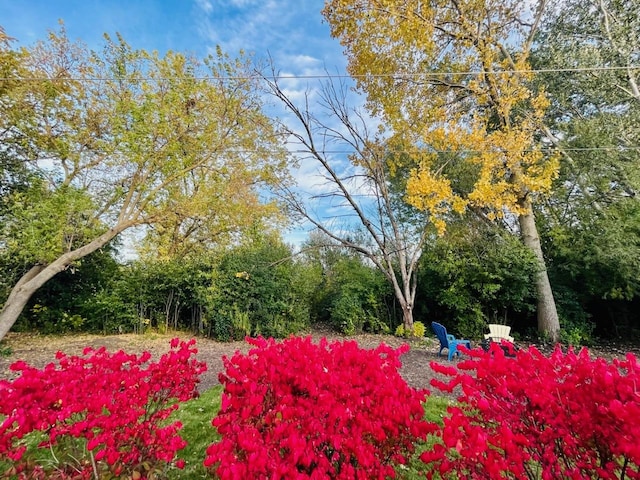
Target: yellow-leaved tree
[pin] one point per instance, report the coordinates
(123, 139)
(452, 80)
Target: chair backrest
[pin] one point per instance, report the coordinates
(500, 331)
(441, 333)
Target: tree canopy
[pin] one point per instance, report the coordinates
(124, 138)
(453, 80)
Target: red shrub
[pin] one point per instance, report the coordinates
(563, 416)
(118, 403)
(297, 409)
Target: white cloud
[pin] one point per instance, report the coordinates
(205, 5)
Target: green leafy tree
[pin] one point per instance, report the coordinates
(477, 274)
(258, 289)
(124, 138)
(591, 222)
(68, 301)
(351, 296)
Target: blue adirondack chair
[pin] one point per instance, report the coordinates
(448, 340)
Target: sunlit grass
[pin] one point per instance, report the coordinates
(435, 409)
(196, 416)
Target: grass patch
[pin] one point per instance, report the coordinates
(5, 350)
(196, 416)
(435, 409)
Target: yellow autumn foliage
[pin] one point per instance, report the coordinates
(453, 79)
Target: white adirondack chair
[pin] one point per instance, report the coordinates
(499, 332)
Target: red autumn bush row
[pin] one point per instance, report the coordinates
(116, 404)
(563, 416)
(296, 409)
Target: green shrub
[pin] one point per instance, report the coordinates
(351, 295)
(470, 275)
(472, 323)
(347, 314)
(5, 350)
(257, 289)
(419, 329)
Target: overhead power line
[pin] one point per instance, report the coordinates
(340, 76)
(630, 148)
(469, 152)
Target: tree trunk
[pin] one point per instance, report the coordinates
(548, 322)
(407, 318)
(41, 274)
(405, 294)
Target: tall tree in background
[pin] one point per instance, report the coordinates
(372, 217)
(452, 79)
(590, 51)
(121, 139)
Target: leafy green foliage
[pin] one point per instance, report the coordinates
(350, 296)
(5, 350)
(591, 223)
(472, 276)
(70, 301)
(257, 289)
(418, 330)
(175, 144)
(357, 292)
(197, 431)
(250, 289)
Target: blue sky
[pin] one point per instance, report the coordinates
(291, 31)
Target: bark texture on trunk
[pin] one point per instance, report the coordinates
(405, 293)
(548, 322)
(17, 300)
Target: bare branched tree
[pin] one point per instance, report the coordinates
(374, 220)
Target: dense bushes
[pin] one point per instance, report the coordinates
(297, 409)
(257, 289)
(102, 415)
(68, 302)
(468, 278)
(562, 416)
(475, 277)
(355, 297)
(351, 296)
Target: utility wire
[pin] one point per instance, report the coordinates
(335, 76)
(427, 150)
(630, 148)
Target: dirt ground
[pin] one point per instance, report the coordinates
(38, 350)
